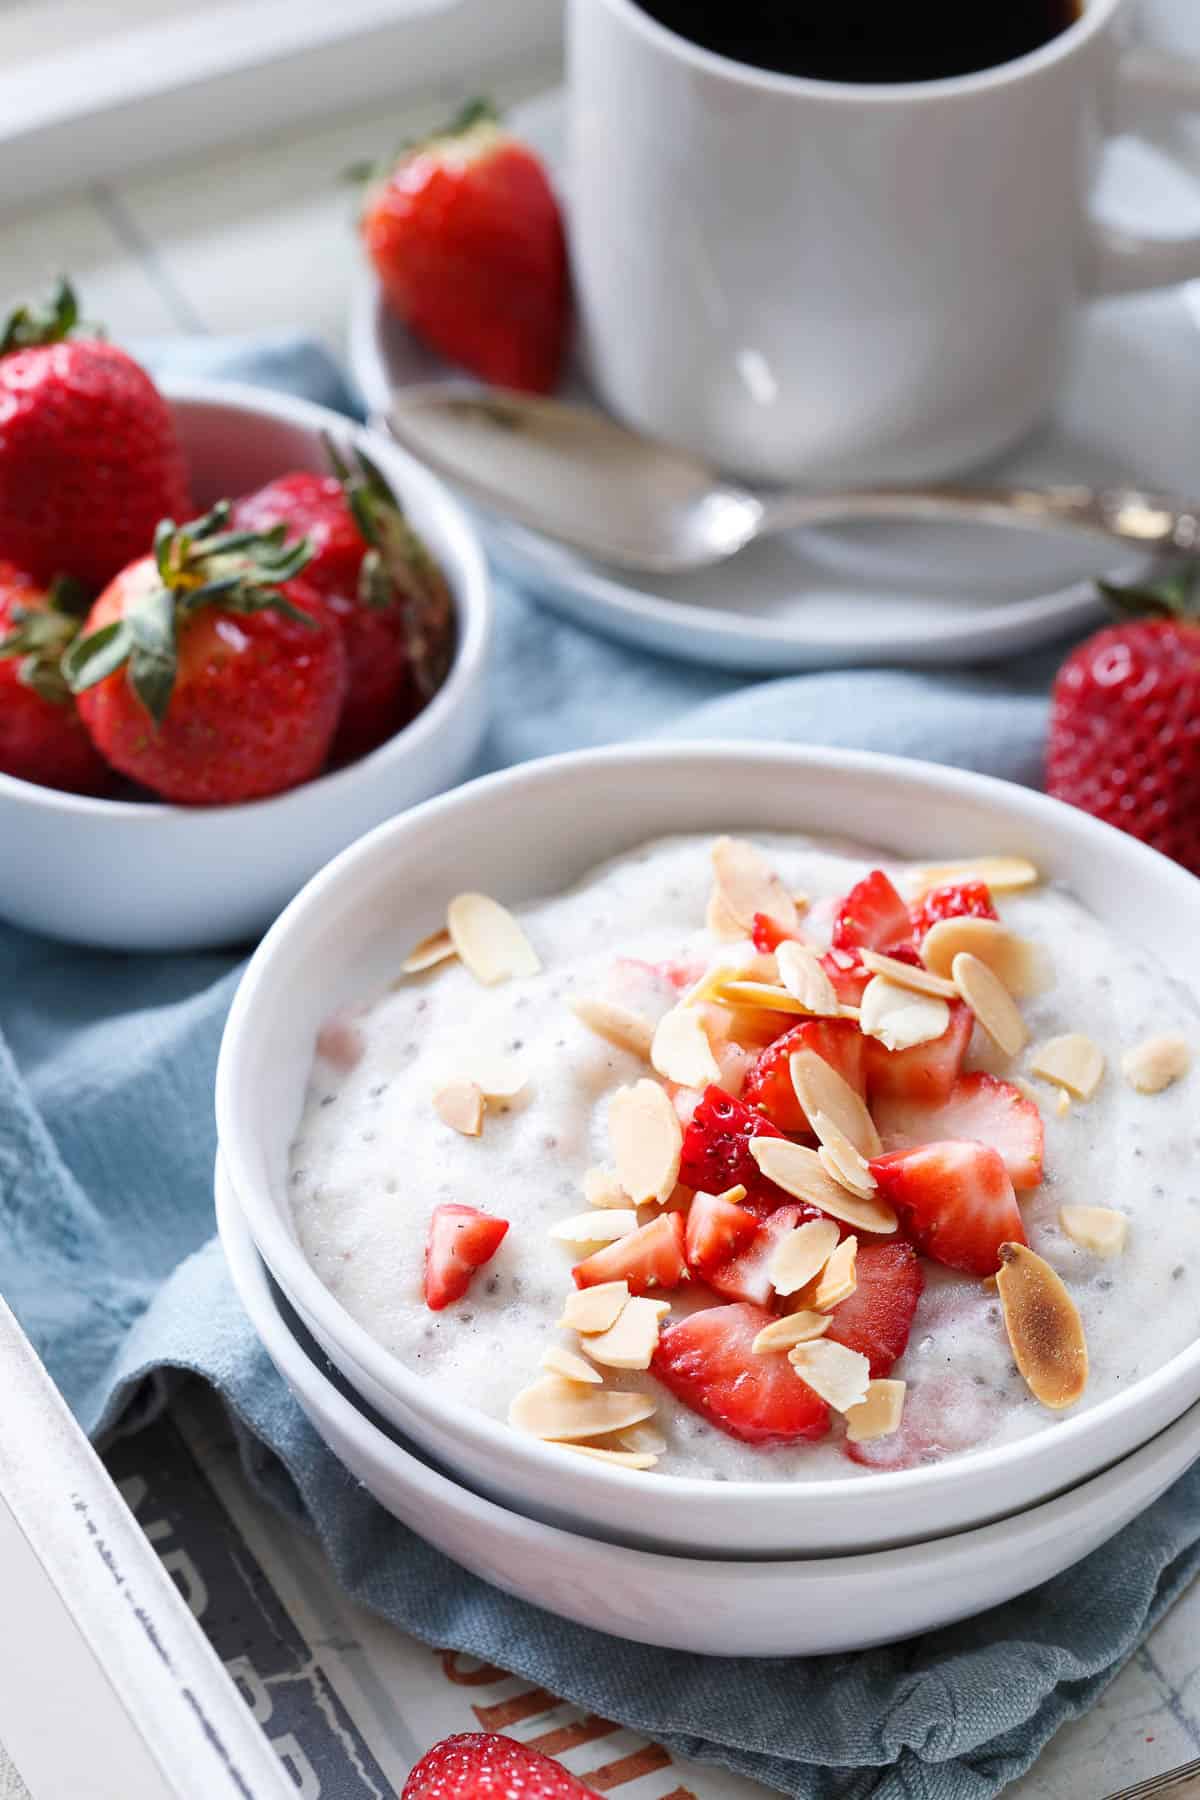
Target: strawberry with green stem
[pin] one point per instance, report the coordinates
(42, 738)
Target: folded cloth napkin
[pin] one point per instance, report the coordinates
(106, 1159)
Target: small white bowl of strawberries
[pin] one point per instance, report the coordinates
(236, 631)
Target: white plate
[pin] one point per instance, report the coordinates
(1129, 408)
(793, 1608)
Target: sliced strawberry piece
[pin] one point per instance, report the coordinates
(708, 1362)
(926, 1074)
(461, 1239)
(955, 1201)
(957, 900)
(872, 917)
(848, 973)
(768, 1085)
(748, 1275)
(878, 1316)
(716, 1145)
(979, 1107)
(648, 1259)
(768, 933)
(717, 1231)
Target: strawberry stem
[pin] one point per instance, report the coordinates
(31, 325)
(1175, 595)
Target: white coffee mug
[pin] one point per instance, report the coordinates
(828, 283)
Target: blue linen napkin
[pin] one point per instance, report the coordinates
(106, 1156)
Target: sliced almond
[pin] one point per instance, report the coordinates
(681, 1051)
(1003, 874)
(801, 973)
(878, 1415)
(837, 1280)
(720, 921)
(647, 1139)
(1013, 960)
(564, 1410)
(1062, 1105)
(990, 1001)
(841, 1159)
(497, 1076)
(733, 1196)
(489, 940)
(793, 1328)
(840, 1376)
(642, 1440)
(594, 1309)
(1153, 1065)
(561, 1361)
(747, 884)
(617, 1025)
(1096, 1228)
(900, 1017)
(801, 1255)
(459, 1104)
(800, 1172)
(819, 1088)
(1073, 1062)
(434, 949)
(908, 975)
(617, 1459)
(631, 1341)
(600, 1226)
(757, 994)
(601, 1188)
(1044, 1327)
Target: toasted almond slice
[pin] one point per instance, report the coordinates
(801, 973)
(497, 1076)
(819, 1088)
(1062, 1105)
(840, 1376)
(603, 1225)
(793, 1328)
(630, 1342)
(899, 1017)
(1003, 874)
(489, 940)
(1044, 1327)
(1013, 960)
(563, 1410)
(617, 1459)
(842, 1160)
(647, 1139)
(642, 1440)
(747, 884)
(593, 1309)
(617, 1025)
(601, 1188)
(1096, 1228)
(681, 1051)
(760, 994)
(878, 1415)
(800, 1172)
(561, 1361)
(720, 921)
(432, 950)
(459, 1104)
(802, 1254)
(990, 1001)
(837, 1280)
(1153, 1065)
(1073, 1062)
(908, 975)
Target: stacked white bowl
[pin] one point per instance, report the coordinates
(819, 1566)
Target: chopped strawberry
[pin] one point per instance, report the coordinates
(957, 900)
(848, 973)
(925, 1074)
(716, 1145)
(674, 972)
(708, 1362)
(768, 933)
(872, 917)
(648, 1259)
(461, 1239)
(747, 1276)
(768, 1086)
(717, 1230)
(955, 1202)
(979, 1107)
(878, 1316)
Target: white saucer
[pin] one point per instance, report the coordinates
(796, 1608)
(1129, 408)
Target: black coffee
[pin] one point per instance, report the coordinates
(868, 40)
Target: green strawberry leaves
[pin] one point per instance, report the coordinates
(39, 636)
(29, 326)
(1176, 595)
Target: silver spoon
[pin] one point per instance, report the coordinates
(575, 475)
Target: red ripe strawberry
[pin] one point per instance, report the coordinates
(42, 738)
(980, 1108)
(872, 917)
(648, 1259)
(89, 457)
(848, 973)
(708, 1362)
(478, 1765)
(206, 671)
(925, 1074)
(955, 1201)
(768, 934)
(768, 1085)
(716, 1145)
(467, 239)
(716, 1231)
(747, 1275)
(461, 1239)
(878, 1316)
(957, 900)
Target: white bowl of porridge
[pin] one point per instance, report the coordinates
(726, 1148)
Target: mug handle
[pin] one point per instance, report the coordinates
(1122, 262)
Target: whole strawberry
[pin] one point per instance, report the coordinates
(42, 738)
(206, 671)
(89, 457)
(1125, 721)
(478, 1765)
(467, 240)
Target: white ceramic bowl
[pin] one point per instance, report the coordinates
(725, 1608)
(133, 875)
(532, 831)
